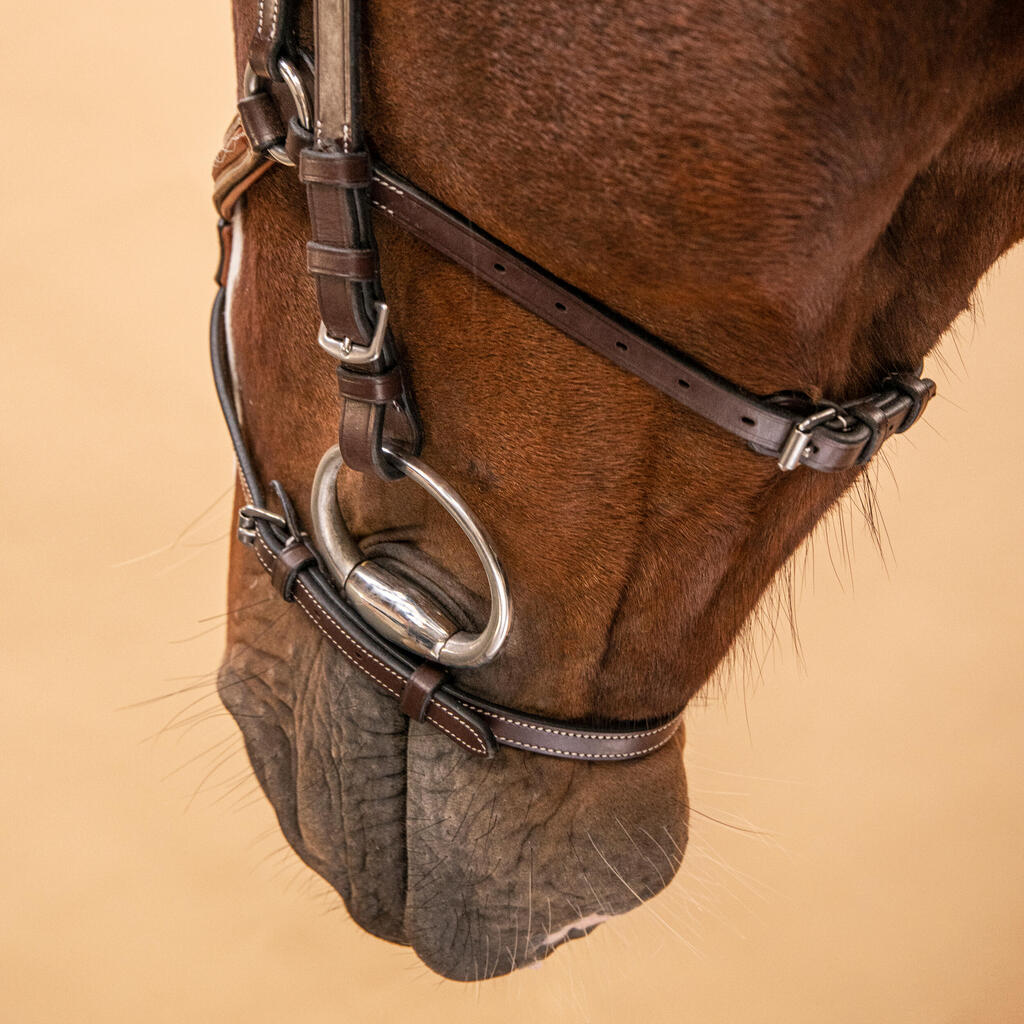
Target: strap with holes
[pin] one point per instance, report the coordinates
(767, 425)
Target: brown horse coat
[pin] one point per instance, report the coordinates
(800, 196)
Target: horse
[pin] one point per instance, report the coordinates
(801, 197)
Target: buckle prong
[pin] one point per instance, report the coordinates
(247, 518)
(351, 354)
(799, 438)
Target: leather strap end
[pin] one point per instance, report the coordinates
(347, 170)
(461, 724)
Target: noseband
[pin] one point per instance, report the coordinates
(388, 627)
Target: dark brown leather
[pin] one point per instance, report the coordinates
(378, 388)
(335, 170)
(261, 119)
(764, 425)
(272, 23)
(419, 691)
(919, 390)
(297, 141)
(562, 739)
(347, 170)
(340, 188)
(288, 565)
(470, 721)
(361, 435)
(891, 412)
(354, 264)
(460, 728)
(427, 694)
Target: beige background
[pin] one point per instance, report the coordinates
(857, 843)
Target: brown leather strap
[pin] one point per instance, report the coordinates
(427, 694)
(465, 730)
(342, 255)
(764, 424)
(354, 264)
(272, 23)
(289, 564)
(376, 388)
(562, 739)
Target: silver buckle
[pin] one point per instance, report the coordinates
(247, 517)
(799, 439)
(346, 351)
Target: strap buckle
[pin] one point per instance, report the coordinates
(346, 351)
(798, 443)
(249, 515)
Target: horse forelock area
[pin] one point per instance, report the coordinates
(800, 196)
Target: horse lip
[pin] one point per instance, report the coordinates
(577, 929)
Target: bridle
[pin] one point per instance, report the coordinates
(386, 625)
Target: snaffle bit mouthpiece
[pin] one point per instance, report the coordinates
(394, 607)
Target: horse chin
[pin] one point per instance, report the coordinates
(482, 866)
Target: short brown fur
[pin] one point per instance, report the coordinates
(798, 195)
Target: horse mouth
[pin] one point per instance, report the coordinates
(482, 867)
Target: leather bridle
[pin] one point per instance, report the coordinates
(382, 622)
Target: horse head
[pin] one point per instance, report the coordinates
(801, 197)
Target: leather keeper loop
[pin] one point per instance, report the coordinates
(347, 170)
(919, 390)
(419, 691)
(289, 564)
(375, 388)
(352, 264)
(881, 419)
(261, 121)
